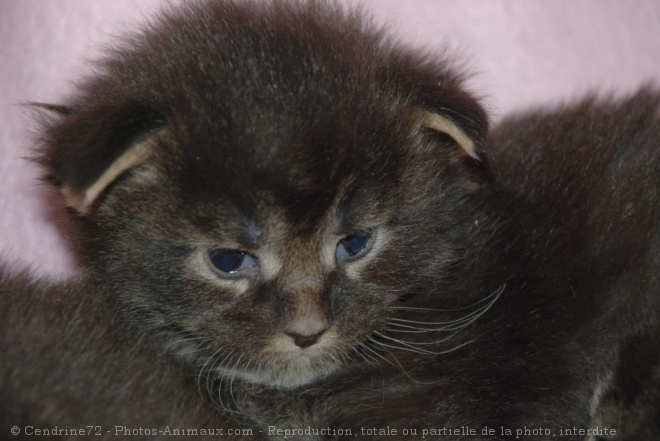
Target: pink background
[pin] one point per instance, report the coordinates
(522, 52)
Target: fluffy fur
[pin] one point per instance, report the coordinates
(509, 277)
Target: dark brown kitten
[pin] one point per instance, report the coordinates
(215, 168)
(281, 209)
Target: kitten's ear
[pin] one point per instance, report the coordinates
(441, 124)
(86, 150)
(82, 199)
(439, 101)
(447, 108)
(452, 122)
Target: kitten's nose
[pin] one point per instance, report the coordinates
(306, 319)
(305, 341)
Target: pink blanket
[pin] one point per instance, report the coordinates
(522, 53)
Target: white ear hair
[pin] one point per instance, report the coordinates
(82, 200)
(444, 125)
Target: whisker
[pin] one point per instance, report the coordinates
(451, 322)
(209, 383)
(455, 324)
(458, 325)
(398, 363)
(472, 318)
(405, 345)
(408, 329)
(376, 354)
(415, 351)
(231, 383)
(447, 338)
(202, 370)
(424, 351)
(496, 293)
(183, 342)
(173, 342)
(368, 357)
(421, 329)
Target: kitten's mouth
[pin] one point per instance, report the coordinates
(287, 371)
(280, 364)
(283, 364)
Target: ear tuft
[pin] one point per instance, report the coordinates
(51, 108)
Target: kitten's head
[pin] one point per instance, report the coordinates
(262, 183)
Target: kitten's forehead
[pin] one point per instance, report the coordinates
(277, 216)
(292, 112)
(301, 172)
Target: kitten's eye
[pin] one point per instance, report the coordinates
(231, 262)
(353, 246)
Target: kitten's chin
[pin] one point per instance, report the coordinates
(291, 373)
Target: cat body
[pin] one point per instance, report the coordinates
(290, 222)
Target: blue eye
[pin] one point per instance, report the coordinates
(231, 261)
(353, 246)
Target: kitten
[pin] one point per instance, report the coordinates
(289, 221)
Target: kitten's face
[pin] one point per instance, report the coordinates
(270, 271)
(265, 209)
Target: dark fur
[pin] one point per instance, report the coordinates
(266, 116)
(67, 362)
